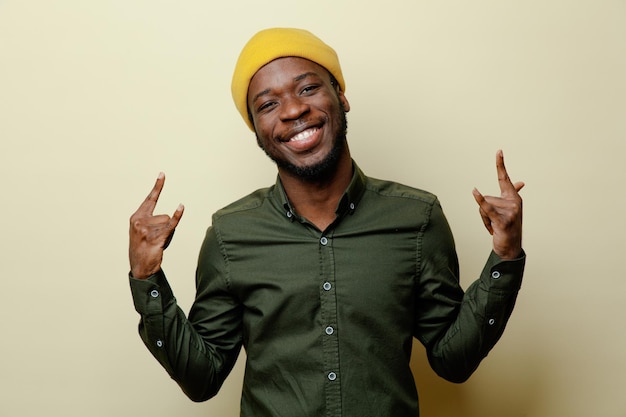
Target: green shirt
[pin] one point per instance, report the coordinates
(327, 318)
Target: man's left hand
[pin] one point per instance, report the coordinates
(502, 215)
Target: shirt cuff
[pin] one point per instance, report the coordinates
(152, 294)
(505, 275)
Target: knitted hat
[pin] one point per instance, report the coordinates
(270, 44)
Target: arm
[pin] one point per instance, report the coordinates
(459, 329)
(198, 353)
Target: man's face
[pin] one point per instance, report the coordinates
(299, 117)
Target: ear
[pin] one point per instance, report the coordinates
(343, 100)
(251, 119)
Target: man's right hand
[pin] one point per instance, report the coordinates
(150, 235)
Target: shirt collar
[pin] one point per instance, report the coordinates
(347, 204)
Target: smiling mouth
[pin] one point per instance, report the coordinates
(303, 135)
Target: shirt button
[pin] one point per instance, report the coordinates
(351, 206)
(495, 274)
(327, 286)
(154, 293)
(332, 376)
(329, 330)
(159, 343)
(289, 214)
(324, 241)
(491, 322)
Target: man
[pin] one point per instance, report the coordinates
(325, 277)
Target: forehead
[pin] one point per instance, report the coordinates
(284, 71)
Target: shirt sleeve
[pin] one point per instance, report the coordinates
(459, 328)
(200, 351)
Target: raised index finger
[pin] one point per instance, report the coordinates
(506, 186)
(150, 202)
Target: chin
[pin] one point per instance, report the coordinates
(319, 171)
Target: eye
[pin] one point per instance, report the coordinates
(265, 106)
(309, 89)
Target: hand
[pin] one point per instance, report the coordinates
(502, 215)
(150, 235)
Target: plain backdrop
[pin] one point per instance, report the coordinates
(98, 97)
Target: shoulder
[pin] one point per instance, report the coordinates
(256, 201)
(398, 192)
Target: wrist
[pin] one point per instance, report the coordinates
(140, 274)
(509, 254)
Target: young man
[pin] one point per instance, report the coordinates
(327, 276)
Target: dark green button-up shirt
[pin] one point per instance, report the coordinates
(327, 318)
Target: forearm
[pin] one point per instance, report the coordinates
(198, 366)
(482, 317)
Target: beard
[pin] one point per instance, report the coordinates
(326, 168)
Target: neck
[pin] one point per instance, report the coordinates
(317, 201)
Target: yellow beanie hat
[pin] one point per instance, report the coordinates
(270, 44)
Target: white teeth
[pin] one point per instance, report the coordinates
(304, 135)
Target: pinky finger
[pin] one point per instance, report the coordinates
(176, 216)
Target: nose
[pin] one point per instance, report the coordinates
(293, 108)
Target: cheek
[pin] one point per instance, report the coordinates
(262, 126)
(263, 133)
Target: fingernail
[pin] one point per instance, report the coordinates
(161, 175)
(180, 207)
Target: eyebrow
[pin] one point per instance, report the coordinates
(262, 93)
(295, 79)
